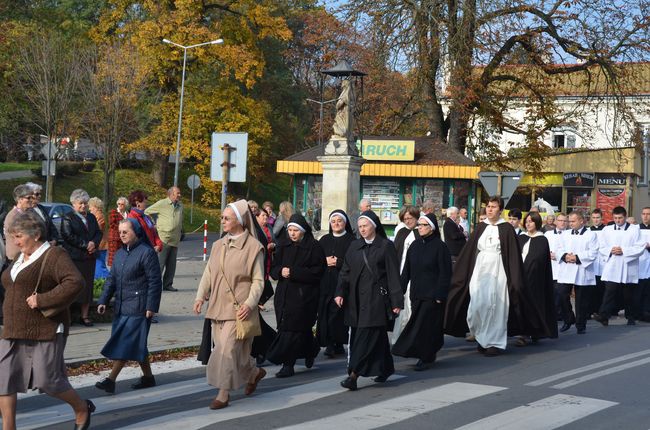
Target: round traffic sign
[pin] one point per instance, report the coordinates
(193, 182)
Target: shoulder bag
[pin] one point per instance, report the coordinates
(50, 312)
(383, 291)
(250, 327)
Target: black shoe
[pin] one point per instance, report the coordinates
(145, 382)
(170, 289)
(582, 331)
(480, 349)
(285, 372)
(493, 351)
(422, 365)
(329, 352)
(565, 327)
(309, 362)
(107, 385)
(86, 424)
(601, 319)
(381, 378)
(85, 321)
(631, 322)
(350, 383)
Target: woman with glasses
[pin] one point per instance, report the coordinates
(428, 269)
(52, 234)
(81, 236)
(23, 197)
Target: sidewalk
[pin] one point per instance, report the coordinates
(178, 326)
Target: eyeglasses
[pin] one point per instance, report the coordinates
(424, 224)
(28, 197)
(37, 194)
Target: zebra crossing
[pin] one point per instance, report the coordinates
(545, 413)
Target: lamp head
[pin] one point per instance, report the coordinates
(217, 42)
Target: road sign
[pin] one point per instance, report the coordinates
(49, 150)
(52, 171)
(503, 184)
(193, 182)
(238, 143)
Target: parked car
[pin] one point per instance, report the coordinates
(57, 211)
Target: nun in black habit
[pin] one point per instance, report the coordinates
(539, 290)
(331, 331)
(298, 267)
(370, 294)
(428, 268)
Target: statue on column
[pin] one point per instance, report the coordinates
(344, 120)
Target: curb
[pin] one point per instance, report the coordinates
(80, 362)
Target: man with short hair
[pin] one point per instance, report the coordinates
(454, 237)
(514, 218)
(620, 246)
(365, 205)
(553, 237)
(428, 207)
(169, 222)
(463, 221)
(642, 299)
(578, 249)
(550, 223)
(597, 227)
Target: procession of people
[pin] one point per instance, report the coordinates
(505, 282)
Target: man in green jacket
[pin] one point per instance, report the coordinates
(169, 222)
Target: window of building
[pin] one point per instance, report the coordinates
(564, 139)
(558, 141)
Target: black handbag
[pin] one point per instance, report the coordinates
(383, 291)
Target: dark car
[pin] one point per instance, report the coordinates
(57, 212)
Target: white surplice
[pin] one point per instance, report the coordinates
(553, 237)
(622, 269)
(585, 246)
(598, 263)
(405, 314)
(487, 313)
(644, 259)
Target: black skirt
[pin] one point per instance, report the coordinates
(330, 330)
(289, 346)
(263, 342)
(423, 335)
(370, 352)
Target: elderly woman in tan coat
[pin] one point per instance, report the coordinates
(234, 274)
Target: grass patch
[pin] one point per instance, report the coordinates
(12, 167)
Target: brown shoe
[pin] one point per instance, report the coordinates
(493, 351)
(250, 388)
(218, 404)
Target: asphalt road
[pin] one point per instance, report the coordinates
(593, 381)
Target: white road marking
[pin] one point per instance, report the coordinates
(605, 372)
(272, 401)
(588, 368)
(546, 414)
(400, 408)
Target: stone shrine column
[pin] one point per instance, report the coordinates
(341, 186)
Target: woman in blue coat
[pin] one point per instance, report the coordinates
(136, 284)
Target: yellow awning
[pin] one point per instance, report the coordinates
(386, 169)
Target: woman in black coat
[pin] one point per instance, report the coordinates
(81, 236)
(331, 331)
(298, 266)
(539, 291)
(135, 282)
(428, 268)
(370, 294)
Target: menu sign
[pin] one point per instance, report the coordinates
(579, 180)
(612, 180)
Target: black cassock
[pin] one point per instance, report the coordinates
(331, 330)
(538, 291)
(428, 268)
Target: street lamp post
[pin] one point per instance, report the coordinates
(180, 111)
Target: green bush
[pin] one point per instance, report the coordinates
(88, 166)
(98, 287)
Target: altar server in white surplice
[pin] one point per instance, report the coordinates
(620, 246)
(578, 251)
(642, 299)
(553, 237)
(597, 227)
